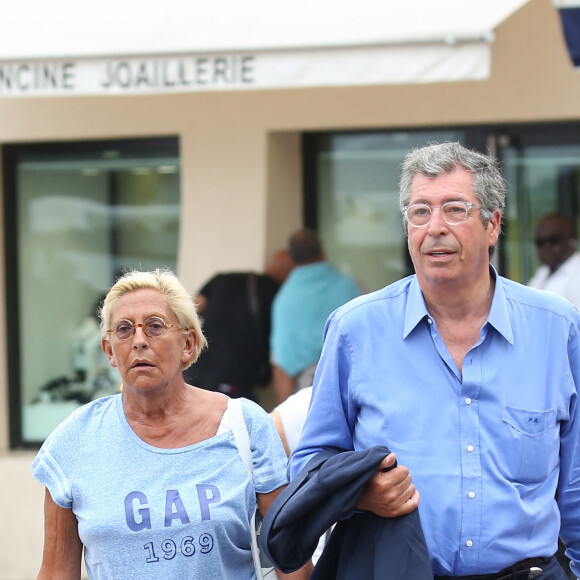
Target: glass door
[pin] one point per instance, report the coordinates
(542, 167)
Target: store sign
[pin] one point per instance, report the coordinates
(436, 62)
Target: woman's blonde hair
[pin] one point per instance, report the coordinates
(170, 287)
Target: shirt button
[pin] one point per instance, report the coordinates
(429, 321)
(468, 401)
(469, 543)
(471, 494)
(470, 448)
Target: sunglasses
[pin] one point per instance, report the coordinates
(552, 240)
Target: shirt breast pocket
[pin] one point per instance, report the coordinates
(531, 445)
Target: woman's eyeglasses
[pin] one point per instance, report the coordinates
(153, 327)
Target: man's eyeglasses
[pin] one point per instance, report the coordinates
(552, 240)
(153, 327)
(454, 212)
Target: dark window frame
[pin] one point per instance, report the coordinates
(12, 154)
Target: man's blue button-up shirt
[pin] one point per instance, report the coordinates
(487, 447)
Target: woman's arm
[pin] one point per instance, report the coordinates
(264, 502)
(61, 558)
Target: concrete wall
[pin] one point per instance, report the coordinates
(241, 176)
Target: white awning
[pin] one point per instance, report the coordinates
(128, 47)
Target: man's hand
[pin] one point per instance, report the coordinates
(389, 493)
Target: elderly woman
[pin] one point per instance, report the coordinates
(149, 482)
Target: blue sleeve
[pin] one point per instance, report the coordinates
(569, 482)
(268, 455)
(331, 416)
(54, 465)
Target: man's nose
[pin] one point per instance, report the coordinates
(437, 222)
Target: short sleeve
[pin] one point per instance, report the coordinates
(268, 455)
(53, 466)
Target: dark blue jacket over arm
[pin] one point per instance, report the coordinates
(362, 545)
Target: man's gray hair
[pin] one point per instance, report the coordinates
(432, 160)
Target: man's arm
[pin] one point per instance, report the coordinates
(331, 423)
(61, 558)
(569, 480)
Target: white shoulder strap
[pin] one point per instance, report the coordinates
(242, 439)
(240, 432)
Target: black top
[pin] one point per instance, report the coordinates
(236, 323)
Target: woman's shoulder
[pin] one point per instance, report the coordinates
(253, 411)
(98, 407)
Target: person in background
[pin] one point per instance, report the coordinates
(556, 242)
(469, 378)
(289, 417)
(235, 308)
(311, 292)
(149, 482)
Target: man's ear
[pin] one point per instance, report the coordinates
(107, 349)
(494, 227)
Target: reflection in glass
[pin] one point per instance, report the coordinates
(82, 218)
(541, 180)
(358, 202)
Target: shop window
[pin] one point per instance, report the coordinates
(76, 215)
(352, 193)
(543, 178)
(352, 189)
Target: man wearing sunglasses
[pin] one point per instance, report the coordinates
(469, 378)
(556, 243)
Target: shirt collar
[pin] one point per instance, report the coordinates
(416, 309)
(498, 313)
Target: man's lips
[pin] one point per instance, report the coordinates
(439, 253)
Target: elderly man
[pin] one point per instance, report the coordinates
(469, 378)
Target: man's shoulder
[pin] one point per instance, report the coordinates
(526, 296)
(392, 293)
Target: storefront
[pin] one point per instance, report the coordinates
(206, 160)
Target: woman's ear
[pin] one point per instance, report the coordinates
(189, 346)
(107, 349)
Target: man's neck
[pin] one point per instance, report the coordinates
(460, 314)
(460, 301)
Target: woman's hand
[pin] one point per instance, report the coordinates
(390, 492)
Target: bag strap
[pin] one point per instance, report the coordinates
(240, 433)
(242, 439)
